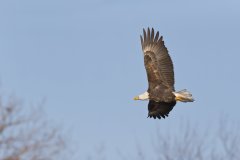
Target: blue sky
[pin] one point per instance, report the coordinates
(84, 58)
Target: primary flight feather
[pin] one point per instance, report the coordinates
(159, 67)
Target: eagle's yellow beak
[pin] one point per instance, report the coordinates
(136, 98)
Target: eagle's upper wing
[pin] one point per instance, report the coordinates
(158, 65)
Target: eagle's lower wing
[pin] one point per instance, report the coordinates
(159, 109)
(158, 65)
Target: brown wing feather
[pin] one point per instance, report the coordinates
(159, 67)
(159, 109)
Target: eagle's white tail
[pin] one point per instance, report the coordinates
(183, 96)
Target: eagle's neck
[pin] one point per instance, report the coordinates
(144, 96)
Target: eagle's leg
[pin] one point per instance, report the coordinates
(183, 96)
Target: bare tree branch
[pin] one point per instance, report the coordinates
(192, 143)
(25, 134)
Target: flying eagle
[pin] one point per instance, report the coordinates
(161, 93)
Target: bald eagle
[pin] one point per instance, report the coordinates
(159, 67)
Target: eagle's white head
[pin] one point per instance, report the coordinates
(144, 96)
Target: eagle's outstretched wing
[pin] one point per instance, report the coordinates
(159, 67)
(159, 109)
